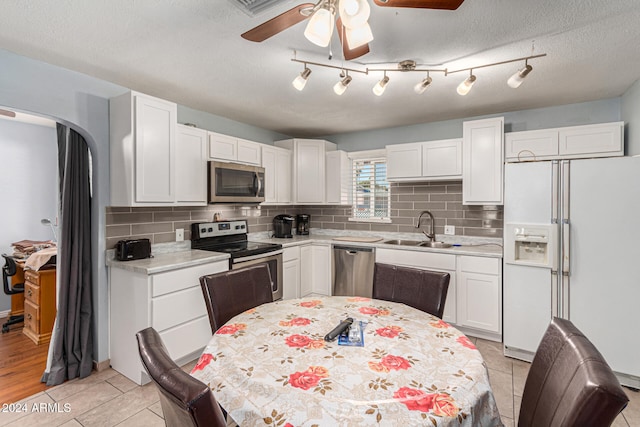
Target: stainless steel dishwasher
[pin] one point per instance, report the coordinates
(353, 270)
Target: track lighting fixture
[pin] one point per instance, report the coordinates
(423, 85)
(516, 80)
(340, 87)
(465, 86)
(411, 66)
(320, 27)
(300, 81)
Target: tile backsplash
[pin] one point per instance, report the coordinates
(443, 199)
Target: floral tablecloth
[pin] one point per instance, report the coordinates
(270, 366)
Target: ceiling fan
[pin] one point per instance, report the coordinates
(352, 26)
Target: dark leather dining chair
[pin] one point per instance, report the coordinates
(9, 269)
(230, 293)
(185, 400)
(422, 289)
(569, 383)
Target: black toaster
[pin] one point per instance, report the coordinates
(127, 250)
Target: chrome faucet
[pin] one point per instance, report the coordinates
(432, 235)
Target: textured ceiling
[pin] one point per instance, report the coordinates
(191, 52)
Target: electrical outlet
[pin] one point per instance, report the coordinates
(450, 230)
(179, 234)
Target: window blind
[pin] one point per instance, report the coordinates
(371, 195)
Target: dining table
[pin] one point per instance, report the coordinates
(270, 366)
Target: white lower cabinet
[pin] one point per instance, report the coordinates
(171, 302)
(315, 270)
(474, 298)
(480, 294)
(291, 273)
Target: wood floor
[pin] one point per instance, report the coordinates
(21, 365)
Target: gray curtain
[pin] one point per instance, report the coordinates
(71, 349)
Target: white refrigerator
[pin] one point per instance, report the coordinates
(572, 250)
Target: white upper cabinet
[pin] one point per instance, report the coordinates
(191, 165)
(425, 161)
(338, 174)
(225, 147)
(483, 163)
(308, 169)
(277, 174)
(142, 150)
(600, 140)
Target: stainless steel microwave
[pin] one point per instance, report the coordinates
(235, 183)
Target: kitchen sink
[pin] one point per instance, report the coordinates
(429, 244)
(403, 242)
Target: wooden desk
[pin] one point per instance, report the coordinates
(38, 303)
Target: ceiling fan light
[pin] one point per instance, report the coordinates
(380, 87)
(360, 36)
(320, 28)
(423, 85)
(300, 81)
(516, 80)
(465, 86)
(354, 13)
(340, 87)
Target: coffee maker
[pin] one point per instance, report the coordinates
(282, 226)
(303, 222)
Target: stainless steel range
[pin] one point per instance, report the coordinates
(231, 237)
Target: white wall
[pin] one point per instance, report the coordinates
(631, 116)
(28, 184)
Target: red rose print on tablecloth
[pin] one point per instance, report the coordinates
(440, 324)
(466, 342)
(372, 311)
(231, 329)
(298, 321)
(390, 363)
(202, 362)
(303, 341)
(310, 304)
(309, 378)
(389, 331)
(440, 404)
(358, 299)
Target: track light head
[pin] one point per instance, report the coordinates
(300, 81)
(465, 86)
(423, 85)
(380, 87)
(340, 87)
(516, 80)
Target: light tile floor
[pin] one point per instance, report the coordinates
(108, 399)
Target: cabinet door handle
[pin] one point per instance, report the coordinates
(30, 292)
(29, 316)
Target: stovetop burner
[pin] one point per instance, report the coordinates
(228, 237)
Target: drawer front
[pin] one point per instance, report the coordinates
(426, 260)
(173, 309)
(474, 264)
(289, 254)
(32, 293)
(32, 276)
(187, 338)
(32, 317)
(172, 281)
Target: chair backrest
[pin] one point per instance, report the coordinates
(9, 269)
(569, 383)
(422, 289)
(185, 400)
(230, 293)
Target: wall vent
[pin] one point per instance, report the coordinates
(256, 7)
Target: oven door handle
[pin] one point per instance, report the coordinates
(258, 256)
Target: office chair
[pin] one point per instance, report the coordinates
(185, 400)
(230, 293)
(422, 289)
(9, 270)
(569, 383)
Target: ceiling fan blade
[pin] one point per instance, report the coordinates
(349, 53)
(280, 23)
(421, 4)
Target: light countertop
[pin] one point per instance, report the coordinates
(167, 261)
